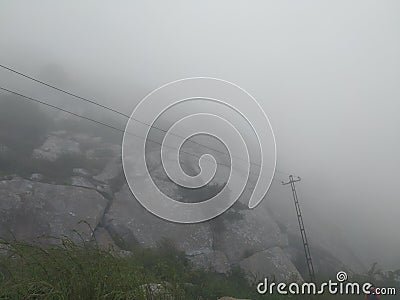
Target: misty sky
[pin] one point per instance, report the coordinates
(327, 73)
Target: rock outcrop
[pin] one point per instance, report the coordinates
(30, 210)
(264, 242)
(247, 232)
(55, 146)
(271, 263)
(210, 245)
(126, 216)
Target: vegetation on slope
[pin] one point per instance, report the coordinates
(72, 271)
(84, 271)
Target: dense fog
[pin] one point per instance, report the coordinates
(326, 73)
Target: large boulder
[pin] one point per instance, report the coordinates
(127, 217)
(271, 263)
(81, 181)
(243, 232)
(215, 261)
(104, 240)
(215, 245)
(31, 209)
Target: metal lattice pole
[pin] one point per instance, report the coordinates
(307, 252)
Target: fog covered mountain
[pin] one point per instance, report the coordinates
(63, 174)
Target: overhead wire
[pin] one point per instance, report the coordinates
(89, 119)
(107, 108)
(110, 126)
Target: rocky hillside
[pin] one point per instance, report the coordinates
(64, 178)
(74, 186)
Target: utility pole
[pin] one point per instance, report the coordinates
(302, 228)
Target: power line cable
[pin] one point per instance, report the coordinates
(59, 108)
(119, 130)
(99, 122)
(64, 91)
(115, 111)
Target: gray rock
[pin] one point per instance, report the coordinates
(254, 239)
(9, 177)
(215, 261)
(55, 146)
(153, 291)
(204, 245)
(89, 183)
(122, 253)
(82, 182)
(36, 177)
(104, 240)
(32, 209)
(105, 190)
(121, 235)
(126, 217)
(270, 263)
(81, 172)
(247, 232)
(112, 170)
(323, 261)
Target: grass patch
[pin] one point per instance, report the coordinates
(84, 271)
(72, 271)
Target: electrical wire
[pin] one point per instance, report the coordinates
(104, 107)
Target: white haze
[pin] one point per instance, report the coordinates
(326, 72)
